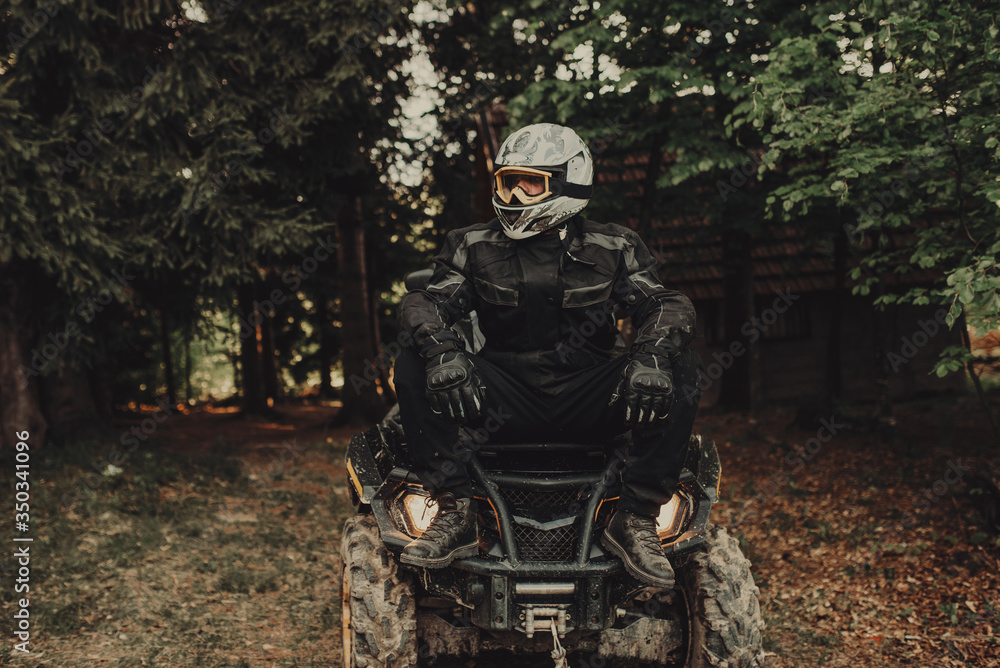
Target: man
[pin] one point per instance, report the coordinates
(548, 287)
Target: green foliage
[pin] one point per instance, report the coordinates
(205, 145)
(950, 611)
(906, 143)
(953, 358)
(199, 145)
(875, 121)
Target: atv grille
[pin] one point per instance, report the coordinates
(533, 498)
(540, 545)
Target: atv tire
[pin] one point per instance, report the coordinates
(726, 628)
(378, 615)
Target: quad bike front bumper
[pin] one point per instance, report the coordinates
(541, 579)
(537, 566)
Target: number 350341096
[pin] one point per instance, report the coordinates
(21, 486)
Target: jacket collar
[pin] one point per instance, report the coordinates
(572, 242)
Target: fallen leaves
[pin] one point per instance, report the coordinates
(836, 563)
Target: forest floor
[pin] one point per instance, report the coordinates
(216, 542)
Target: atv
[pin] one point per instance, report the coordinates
(542, 581)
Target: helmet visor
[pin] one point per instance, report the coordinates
(525, 184)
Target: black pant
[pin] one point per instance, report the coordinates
(515, 413)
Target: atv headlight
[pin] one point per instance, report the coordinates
(417, 510)
(673, 515)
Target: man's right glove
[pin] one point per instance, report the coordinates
(454, 388)
(648, 384)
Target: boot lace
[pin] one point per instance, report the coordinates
(443, 523)
(646, 535)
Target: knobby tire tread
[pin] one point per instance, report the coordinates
(727, 627)
(383, 607)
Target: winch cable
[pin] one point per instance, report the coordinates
(559, 652)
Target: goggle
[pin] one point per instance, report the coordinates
(528, 185)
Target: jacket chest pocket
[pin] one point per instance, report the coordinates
(496, 294)
(588, 295)
(587, 281)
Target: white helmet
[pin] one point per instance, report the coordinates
(543, 175)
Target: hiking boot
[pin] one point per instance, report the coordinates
(633, 539)
(451, 535)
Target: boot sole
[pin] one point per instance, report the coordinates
(460, 552)
(633, 570)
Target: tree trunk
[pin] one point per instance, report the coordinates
(103, 399)
(324, 320)
(755, 380)
(886, 419)
(68, 401)
(188, 336)
(269, 368)
(649, 190)
(168, 359)
(734, 393)
(379, 354)
(383, 360)
(236, 361)
(833, 378)
(20, 409)
(254, 401)
(963, 331)
(361, 402)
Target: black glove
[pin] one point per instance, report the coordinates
(454, 388)
(648, 384)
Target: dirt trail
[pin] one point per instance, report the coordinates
(218, 544)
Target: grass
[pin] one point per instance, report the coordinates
(821, 532)
(182, 559)
(950, 611)
(863, 534)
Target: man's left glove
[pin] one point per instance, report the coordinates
(454, 388)
(648, 384)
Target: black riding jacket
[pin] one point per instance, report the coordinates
(548, 305)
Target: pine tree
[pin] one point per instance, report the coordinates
(191, 146)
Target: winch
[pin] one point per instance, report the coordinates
(539, 617)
